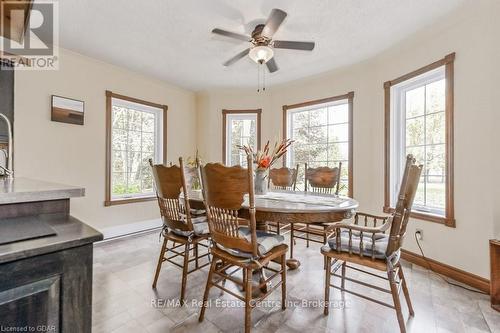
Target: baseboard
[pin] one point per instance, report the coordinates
(456, 274)
(131, 228)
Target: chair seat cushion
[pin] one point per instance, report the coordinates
(200, 227)
(194, 218)
(265, 242)
(197, 212)
(381, 242)
(367, 235)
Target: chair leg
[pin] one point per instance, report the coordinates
(327, 283)
(244, 273)
(291, 240)
(342, 285)
(207, 288)
(405, 291)
(278, 231)
(185, 271)
(160, 262)
(307, 235)
(283, 282)
(395, 298)
(248, 298)
(195, 252)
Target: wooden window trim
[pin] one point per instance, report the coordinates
(109, 95)
(448, 62)
(350, 98)
(225, 112)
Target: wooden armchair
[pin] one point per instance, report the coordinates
(365, 242)
(236, 242)
(183, 226)
(282, 179)
(322, 180)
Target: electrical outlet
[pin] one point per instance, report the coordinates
(420, 234)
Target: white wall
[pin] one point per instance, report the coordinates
(472, 32)
(75, 155)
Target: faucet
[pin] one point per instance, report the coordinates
(8, 171)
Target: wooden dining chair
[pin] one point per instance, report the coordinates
(185, 228)
(366, 243)
(321, 180)
(236, 242)
(284, 179)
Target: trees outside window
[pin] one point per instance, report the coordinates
(135, 135)
(240, 127)
(419, 121)
(322, 134)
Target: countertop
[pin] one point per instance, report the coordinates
(70, 233)
(16, 190)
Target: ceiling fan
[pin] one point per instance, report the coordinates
(262, 49)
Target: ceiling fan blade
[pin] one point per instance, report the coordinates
(271, 65)
(286, 44)
(273, 22)
(231, 34)
(237, 57)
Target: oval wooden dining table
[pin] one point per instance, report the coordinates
(293, 207)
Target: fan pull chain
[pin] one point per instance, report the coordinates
(263, 77)
(258, 78)
(260, 67)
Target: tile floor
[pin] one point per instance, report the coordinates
(124, 301)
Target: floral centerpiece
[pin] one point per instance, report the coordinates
(264, 159)
(192, 171)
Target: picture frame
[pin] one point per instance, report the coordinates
(67, 110)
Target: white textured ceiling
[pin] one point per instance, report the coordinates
(171, 39)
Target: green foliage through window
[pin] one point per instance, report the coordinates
(321, 138)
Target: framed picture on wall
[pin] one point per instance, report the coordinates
(67, 110)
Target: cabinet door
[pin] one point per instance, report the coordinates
(50, 292)
(34, 306)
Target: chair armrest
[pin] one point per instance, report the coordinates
(373, 220)
(378, 217)
(354, 226)
(380, 229)
(335, 231)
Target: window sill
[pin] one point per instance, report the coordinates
(449, 222)
(114, 202)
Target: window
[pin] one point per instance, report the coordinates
(322, 134)
(419, 122)
(240, 127)
(134, 135)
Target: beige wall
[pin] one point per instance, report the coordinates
(472, 33)
(75, 154)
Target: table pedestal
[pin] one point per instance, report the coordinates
(292, 263)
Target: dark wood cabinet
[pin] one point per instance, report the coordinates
(52, 290)
(46, 283)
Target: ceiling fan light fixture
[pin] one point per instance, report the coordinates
(261, 54)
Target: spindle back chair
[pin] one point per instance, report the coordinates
(236, 241)
(366, 243)
(284, 179)
(321, 180)
(185, 231)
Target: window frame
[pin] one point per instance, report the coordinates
(225, 113)
(109, 200)
(350, 99)
(447, 62)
